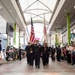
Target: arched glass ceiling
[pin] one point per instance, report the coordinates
(37, 8)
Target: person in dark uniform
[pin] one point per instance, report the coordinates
(0, 46)
(20, 54)
(73, 57)
(58, 53)
(52, 53)
(37, 54)
(45, 55)
(68, 54)
(28, 53)
(31, 58)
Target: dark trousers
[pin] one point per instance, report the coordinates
(28, 59)
(45, 60)
(69, 58)
(58, 57)
(20, 57)
(73, 60)
(31, 59)
(53, 58)
(37, 60)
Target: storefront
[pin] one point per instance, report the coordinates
(73, 36)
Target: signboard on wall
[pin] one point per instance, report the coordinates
(9, 30)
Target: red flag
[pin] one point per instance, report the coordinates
(32, 36)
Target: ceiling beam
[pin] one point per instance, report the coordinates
(29, 6)
(46, 6)
(37, 21)
(37, 9)
(36, 16)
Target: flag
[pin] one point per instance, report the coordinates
(45, 32)
(32, 35)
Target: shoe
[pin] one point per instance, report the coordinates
(38, 67)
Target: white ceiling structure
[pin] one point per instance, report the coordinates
(37, 9)
(21, 11)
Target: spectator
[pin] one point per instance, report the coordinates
(73, 56)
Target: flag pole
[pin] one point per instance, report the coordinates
(45, 32)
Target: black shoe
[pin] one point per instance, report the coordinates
(38, 66)
(72, 64)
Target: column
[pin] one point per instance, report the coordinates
(50, 39)
(24, 39)
(14, 34)
(56, 39)
(68, 28)
(19, 38)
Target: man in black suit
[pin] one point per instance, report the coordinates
(52, 53)
(31, 55)
(45, 55)
(20, 52)
(37, 54)
(58, 53)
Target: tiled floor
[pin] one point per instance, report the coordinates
(21, 68)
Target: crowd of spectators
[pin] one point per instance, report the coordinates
(13, 53)
(68, 54)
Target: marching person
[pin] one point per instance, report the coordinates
(31, 55)
(45, 55)
(28, 53)
(37, 54)
(52, 53)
